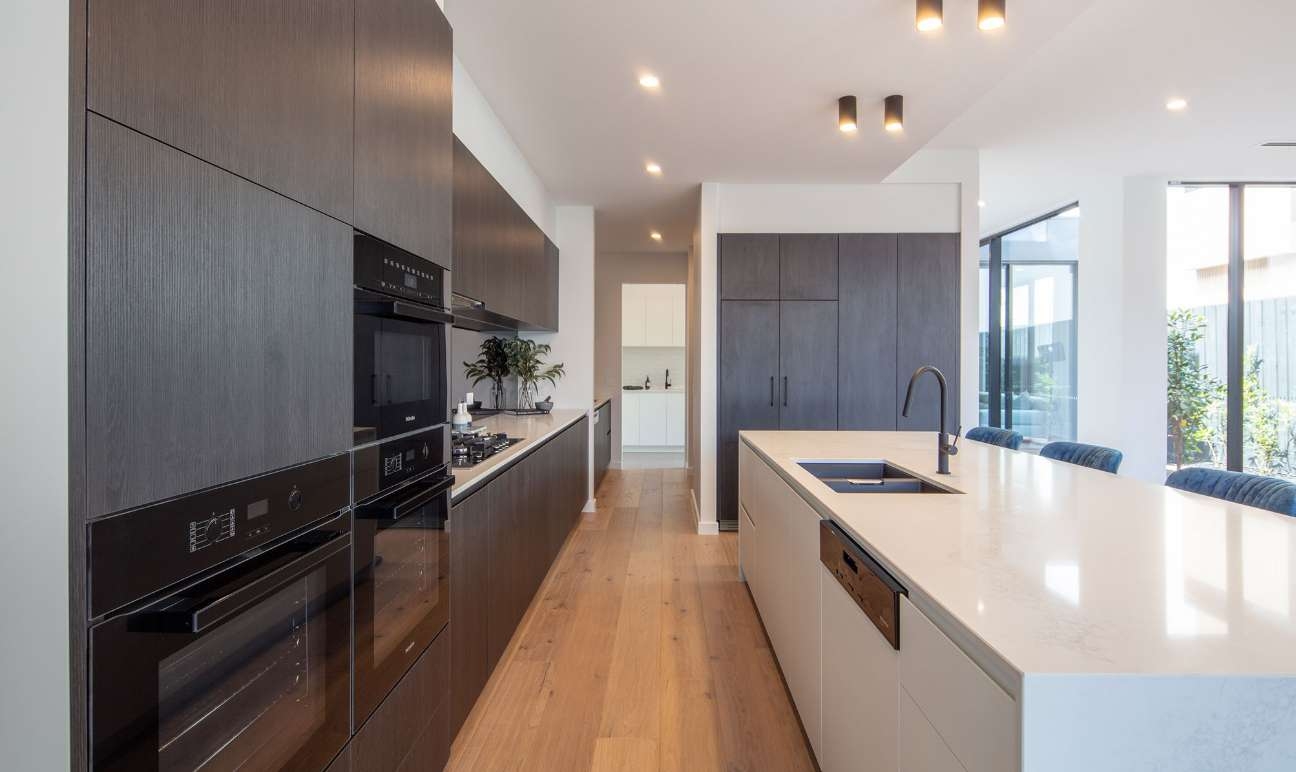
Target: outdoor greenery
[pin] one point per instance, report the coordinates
(1197, 411)
(1191, 391)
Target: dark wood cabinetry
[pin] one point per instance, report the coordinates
(857, 314)
(503, 539)
(263, 90)
(218, 325)
(404, 155)
(749, 266)
(502, 259)
(808, 266)
(602, 443)
(807, 364)
(410, 730)
(469, 271)
(866, 374)
(927, 325)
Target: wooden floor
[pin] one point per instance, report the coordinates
(642, 651)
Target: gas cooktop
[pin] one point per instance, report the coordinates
(469, 450)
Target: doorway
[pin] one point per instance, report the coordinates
(654, 334)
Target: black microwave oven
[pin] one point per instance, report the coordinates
(401, 341)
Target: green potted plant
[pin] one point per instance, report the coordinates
(492, 365)
(526, 361)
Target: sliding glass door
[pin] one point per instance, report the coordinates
(1231, 327)
(1028, 346)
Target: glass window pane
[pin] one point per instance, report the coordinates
(1041, 351)
(1057, 238)
(1197, 256)
(1269, 289)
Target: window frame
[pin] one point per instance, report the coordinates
(998, 360)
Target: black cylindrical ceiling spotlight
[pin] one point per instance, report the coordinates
(930, 16)
(846, 115)
(893, 113)
(991, 14)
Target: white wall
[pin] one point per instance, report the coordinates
(34, 701)
(747, 208)
(573, 344)
(480, 129)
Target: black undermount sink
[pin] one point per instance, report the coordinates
(868, 477)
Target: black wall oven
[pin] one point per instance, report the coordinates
(402, 559)
(401, 341)
(237, 656)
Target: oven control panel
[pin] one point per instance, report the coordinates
(390, 270)
(383, 466)
(140, 552)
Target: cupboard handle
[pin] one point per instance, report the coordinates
(785, 391)
(771, 391)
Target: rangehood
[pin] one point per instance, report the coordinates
(471, 314)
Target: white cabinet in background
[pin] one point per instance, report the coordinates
(653, 315)
(629, 419)
(633, 316)
(921, 747)
(652, 419)
(675, 419)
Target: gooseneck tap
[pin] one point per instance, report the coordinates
(944, 447)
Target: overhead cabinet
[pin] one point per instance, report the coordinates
(821, 332)
(653, 315)
(505, 268)
(264, 91)
(404, 173)
(218, 325)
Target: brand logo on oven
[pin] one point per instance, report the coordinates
(409, 418)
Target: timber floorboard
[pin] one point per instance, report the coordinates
(641, 651)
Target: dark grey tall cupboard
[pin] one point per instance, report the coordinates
(821, 332)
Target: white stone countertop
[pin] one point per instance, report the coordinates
(1058, 569)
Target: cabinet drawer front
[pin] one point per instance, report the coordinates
(921, 747)
(977, 719)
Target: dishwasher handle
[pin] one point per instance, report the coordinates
(873, 589)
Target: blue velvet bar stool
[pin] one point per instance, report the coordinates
(1004, 438)
(1092, 456)
(1238, 487)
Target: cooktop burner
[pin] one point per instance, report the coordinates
(469, 450)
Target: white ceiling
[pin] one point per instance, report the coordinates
(1092, 102)
(749, 90)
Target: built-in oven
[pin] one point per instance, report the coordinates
(401, 341)
(402, 558)
(225, 637)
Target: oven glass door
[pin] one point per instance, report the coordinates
(400, 374)
(239, 673)
(402, 584)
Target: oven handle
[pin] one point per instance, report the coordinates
(384, 511)
(198, 620)
(399, 309)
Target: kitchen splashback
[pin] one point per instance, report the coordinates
(637, 362)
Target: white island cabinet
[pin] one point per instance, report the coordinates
(1051, 618)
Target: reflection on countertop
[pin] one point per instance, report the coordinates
(1061, 569)
(533, 431)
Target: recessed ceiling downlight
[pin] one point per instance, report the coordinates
(847, 115)
(1176, 104)
(991, 14)
(893, 113)
(655, 236)
(653, 168)
(929, 16)
(649, 81)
